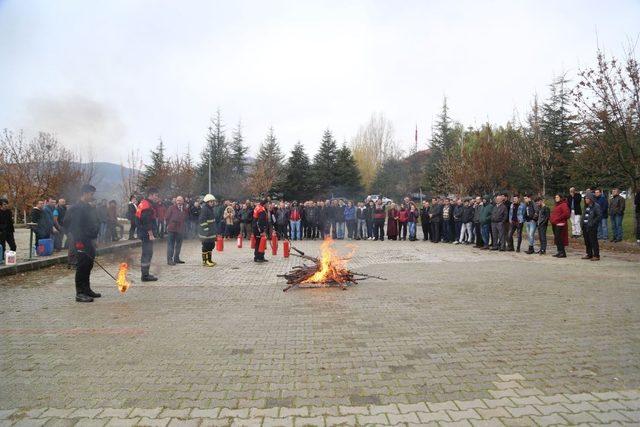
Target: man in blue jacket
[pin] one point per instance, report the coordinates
(601, 199)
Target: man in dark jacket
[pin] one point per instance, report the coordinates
(176, 227)
(575, 206)
(84, 225)
(6, 227)
(485, 221)
(43, 220)
(601, 199)
(636, 202)
(498, 217)
(435, 217)
(132, 207)
(424, 220)
(477, 227)
(590, 219)
(616, 209)
(146, 219)
(542, 223)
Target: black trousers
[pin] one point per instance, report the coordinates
(402, 230)
(132, 230)
(557, 236)
(208, 245)
(174, 246)
(84, 266)
(591, 241)
(515, 229)
(378, 229)
(147, 254)
(7, 238)
(542, 236)
(478, 229)
(425, 230)
(435, 232)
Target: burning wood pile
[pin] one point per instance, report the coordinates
(328, 270)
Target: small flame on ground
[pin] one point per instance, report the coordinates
(332, 266)
(122, 282)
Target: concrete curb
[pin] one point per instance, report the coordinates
(37, 264)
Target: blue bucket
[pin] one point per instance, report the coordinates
(44, 247)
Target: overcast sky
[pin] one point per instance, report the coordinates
(111, 76)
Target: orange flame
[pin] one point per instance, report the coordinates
(332, 266)
(122, 282)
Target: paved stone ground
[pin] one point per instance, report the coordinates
(456, 336)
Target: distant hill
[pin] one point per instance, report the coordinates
(107, 179)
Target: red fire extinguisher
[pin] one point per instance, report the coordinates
(252, 240)
(240, 240)
(285, 249)
(263, 244)
(219, 244)
(274, 243)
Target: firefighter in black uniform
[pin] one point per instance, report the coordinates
(207, 229)
(146, 224)
(260, 227)
(84, 224)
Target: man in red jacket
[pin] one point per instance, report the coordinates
(176, 218)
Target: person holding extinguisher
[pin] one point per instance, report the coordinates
(260, 228)
(207, 229)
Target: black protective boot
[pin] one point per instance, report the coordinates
(92, 294)
(83, 298)
(530, 250)
(146, 277)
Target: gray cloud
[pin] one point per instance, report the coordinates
(86, 126)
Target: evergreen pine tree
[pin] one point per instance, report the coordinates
(238, 152)
(324, 163)
(296, 183)
(559, 128)
(347, 174)
(442, 140)
(156, 174)
(267, 173)
(217, 151)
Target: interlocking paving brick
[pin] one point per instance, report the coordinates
(85, 413)
(100, 422)
(309, 421)
(521, 411)
(580, 407)
(495, 403)
(548, 420)
(412, 407)
(203, 339)
(122, 422)
(384, 409)
(470, 404)
(57, 413)
(487, 423)
(410, 417)
(463, 415)
(427, 417)
(6, 413)
(347, 420)
(372, 419)
(499, 412)
(114, 413)
(153, 422)
(287, 412)
(582, 417)
(610, 417)
(442, 406)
